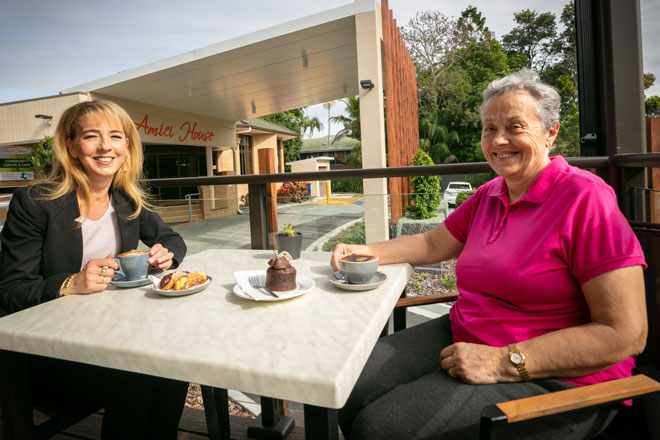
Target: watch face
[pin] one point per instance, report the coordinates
(516, 358)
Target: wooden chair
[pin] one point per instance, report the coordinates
(17, 405)
(642, 420)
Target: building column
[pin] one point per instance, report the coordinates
(209, 172)
(372, 125)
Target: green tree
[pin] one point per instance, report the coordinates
(310, 124)
(652, 106)
(329, 105)
(554, 56)
(43, 157)
(436, 139)
(351, 121)
(425, 199)
(562, 75)
(354, 159)
(568, 140)
(293, 120)
(649, 80)
(534, 36)
(455, 60)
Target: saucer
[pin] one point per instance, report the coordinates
(121, 281)
(338, 280)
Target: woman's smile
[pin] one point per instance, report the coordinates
(100, 146)
(514, 140)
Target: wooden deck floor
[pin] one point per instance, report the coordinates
(191, 427)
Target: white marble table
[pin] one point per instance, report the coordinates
(309, 349)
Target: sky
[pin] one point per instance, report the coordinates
(46, 47)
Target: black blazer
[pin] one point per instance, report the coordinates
(42, 244)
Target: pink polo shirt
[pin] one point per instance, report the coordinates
(520, 271)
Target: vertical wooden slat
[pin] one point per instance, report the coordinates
(653, 146)
(267, 166)
(401, 108)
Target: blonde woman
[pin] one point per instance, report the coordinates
(60, 238)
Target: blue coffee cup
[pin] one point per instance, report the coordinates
(133, 265)
(359, 268)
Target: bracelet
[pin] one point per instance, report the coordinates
(65, 287)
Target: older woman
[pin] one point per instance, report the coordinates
(551, 292)
(60, 238)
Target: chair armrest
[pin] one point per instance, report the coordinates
(567, 400)
(420, 300)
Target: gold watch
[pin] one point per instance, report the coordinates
(518, 360)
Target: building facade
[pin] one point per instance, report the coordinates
(175, 144)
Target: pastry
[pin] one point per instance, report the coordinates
(182, 280)
(280, 276)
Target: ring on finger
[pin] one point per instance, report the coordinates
(451, 373)
(103, 269)
(103, 280)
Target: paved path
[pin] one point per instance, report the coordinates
(233, 232)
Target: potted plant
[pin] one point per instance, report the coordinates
(290, 241)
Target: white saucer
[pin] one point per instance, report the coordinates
(338, 280)
(182, 292)
(305, 284)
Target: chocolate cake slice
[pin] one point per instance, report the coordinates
(280, 276)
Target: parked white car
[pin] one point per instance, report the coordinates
(453, 189)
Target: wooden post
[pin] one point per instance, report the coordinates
(401, 107)
(267, 166)
(257, 197)
(653, 146)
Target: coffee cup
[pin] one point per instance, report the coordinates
(358, 268)
(133, 265)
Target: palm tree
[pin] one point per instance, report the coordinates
(329, 105)
(436, 139)
(351, 122)
(311, 124)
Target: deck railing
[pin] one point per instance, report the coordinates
(612, 169)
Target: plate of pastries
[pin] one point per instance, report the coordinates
(180, 283)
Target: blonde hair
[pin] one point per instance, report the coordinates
(68, 175)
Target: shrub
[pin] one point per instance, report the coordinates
(347, 185)
(425, 198)
(463, 196)
(352, 235)
(292, 192)
(479, 179)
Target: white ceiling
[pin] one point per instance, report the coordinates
(300, 63)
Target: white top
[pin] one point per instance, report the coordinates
(309, 349)
(101, 237)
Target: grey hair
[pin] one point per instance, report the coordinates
(547, 98)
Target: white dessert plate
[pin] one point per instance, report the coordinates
(182, 292)
(243, 289)
(121, 281)
(338, 280)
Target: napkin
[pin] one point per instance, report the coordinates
(242, 279)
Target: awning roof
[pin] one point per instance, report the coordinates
(303, 62)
